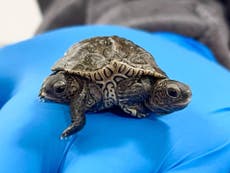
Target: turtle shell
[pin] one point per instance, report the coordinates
(110, 54)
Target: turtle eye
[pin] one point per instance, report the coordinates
(173, 91)
(59, 87)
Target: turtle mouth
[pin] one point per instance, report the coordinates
(184, 103)
(43, 97)
(47, 99)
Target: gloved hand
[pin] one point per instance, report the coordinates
(194, 140)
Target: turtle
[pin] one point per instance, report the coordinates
(106, 72)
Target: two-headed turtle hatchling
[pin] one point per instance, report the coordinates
(102, 72)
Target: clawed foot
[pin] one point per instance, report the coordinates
(65, 134)
(141, 115)
(135, 110)
(73, 128)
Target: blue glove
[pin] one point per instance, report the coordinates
(194, 140)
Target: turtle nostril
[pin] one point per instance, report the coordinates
(188, 93)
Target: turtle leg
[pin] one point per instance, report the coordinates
(135, 110)
(133, 90)
(89, 97)
(77, 112)
(132, 93)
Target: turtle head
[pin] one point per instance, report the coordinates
(59, 87)
(168, 96)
